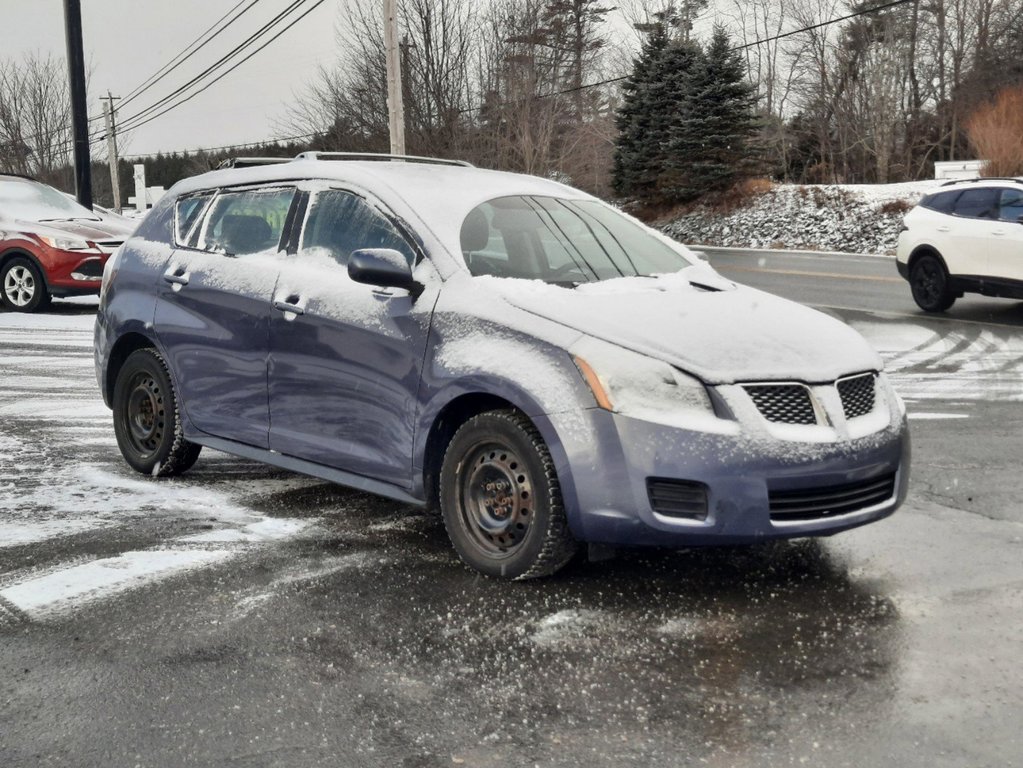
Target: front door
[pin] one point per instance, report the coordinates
(213, 312)
(345, 358)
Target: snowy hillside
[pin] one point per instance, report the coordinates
(860, 218)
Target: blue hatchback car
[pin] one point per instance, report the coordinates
(545, 369)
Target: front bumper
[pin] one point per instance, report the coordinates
(604, 472)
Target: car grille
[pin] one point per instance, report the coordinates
(829, 501)
(677, 498)
(783, 403)
(857, 393)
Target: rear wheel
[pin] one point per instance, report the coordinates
(22, 288)
(929, 281)
(146, 420)
(501, 501)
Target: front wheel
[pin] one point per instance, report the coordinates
(146, 420)
(501, 501)
(22, 288)
(929, 281)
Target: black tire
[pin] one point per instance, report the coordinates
(22, 288)
(522, 534)
(146, 417)
(929, 281)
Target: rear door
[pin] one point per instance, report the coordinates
(973, 225)
(345, 358)
(1007, 245)
(213, 310)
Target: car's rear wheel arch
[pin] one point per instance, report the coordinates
(120, 352)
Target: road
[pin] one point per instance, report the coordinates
(241, 615)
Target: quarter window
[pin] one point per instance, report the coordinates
(187, 212)
(242, 223)
(341, 222)
(1010, 207)
(977, 203)
(942, 202)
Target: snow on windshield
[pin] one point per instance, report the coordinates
(32, 201)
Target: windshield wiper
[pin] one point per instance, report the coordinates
(71, 218)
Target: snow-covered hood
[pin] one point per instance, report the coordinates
(723, 336)
(95, 231)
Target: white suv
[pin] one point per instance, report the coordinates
(965, 238)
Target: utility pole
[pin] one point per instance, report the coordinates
(392, 54)
(115, 180)
(79, 113)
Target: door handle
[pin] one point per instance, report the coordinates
(287, 306)
(176, 276)
(998, 232)
(944, 229)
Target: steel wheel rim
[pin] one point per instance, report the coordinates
(145, 416)
(929, 283)
(20, 286)
(495, 499)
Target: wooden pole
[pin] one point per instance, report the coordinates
(395, 104)
(115, 181)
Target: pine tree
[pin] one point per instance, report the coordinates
(709, 147)
(640, 120)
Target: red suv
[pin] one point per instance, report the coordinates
(49, 245)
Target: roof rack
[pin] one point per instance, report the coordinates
(249, 162)
(380, 157)
(1017, 179)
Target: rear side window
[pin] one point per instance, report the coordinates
(242, 223)
(341, 222)
(942, 202)
(187, 211)
(977, 203)
(1010, 208)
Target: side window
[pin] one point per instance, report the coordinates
(942, 202)
(187, 211)
(977, 203)
(341, 222)
(242, 223)
(1010, 207)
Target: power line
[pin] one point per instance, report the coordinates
(229, 146)
(764, 41)
(224, 74)
(188, 51)
(216, 65)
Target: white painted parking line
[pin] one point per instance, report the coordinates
(924, 416)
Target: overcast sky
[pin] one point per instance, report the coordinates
(126, 41)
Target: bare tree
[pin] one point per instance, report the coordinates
(35, 116)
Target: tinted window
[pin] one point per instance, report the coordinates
(241, 223)
(943, 202)
(187, 211)
(561, 241)
(1010, 207)
(342, 222)
(977, 203)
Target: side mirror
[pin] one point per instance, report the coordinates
(383, 267)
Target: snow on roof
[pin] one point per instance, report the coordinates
(440, 195)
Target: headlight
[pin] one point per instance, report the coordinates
(66, 243)
(639, 386)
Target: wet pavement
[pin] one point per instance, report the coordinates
(241, 615)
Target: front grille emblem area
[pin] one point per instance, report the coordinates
(783, 403)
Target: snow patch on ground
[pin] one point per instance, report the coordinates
(846, 218)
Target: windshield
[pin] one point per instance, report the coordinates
(32, 201)
(562, 241)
